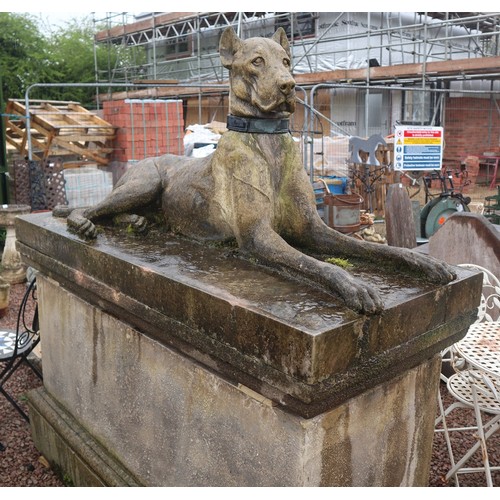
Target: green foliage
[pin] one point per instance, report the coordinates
(32, 53)
(23, 54)
(337, 261)
(72, 56)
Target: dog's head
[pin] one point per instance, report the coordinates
(261, 83)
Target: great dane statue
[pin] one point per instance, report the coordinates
(253, 188)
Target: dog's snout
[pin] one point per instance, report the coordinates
(287, 86)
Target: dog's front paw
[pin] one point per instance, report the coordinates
(433, 269)
(356, 295)
(134, 223)
(361, 297)
(82, 226)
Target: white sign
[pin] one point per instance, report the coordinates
(418, 148)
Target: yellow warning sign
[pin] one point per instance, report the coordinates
(423, 140)
(418, 148)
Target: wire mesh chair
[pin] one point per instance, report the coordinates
(15, 347)
(475, 381)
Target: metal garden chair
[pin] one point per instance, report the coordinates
(475, 380)
(15, 347)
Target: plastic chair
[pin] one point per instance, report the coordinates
(475, 385)
(15, 347)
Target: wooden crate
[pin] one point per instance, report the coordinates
(61, 129)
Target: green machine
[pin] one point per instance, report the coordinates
(438, 209)
(492, 207)
(436, 212)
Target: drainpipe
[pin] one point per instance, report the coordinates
(4, 192)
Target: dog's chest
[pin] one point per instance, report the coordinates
(275, 151)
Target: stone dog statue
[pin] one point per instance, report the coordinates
(253, 188)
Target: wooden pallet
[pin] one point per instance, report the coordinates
(59, 128)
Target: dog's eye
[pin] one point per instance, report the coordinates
(286, 62)
(258, 61)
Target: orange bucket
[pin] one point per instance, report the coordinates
(342, 212)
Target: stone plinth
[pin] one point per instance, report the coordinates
(190, 366)
(12, 270)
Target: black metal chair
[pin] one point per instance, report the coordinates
(15, 347)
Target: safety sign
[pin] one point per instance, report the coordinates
(418, 148)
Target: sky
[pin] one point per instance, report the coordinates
(56, 14)
(53, 15)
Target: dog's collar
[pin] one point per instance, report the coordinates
(258, 125)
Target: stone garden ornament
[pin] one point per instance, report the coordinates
(254, 188)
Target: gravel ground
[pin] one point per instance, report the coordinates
(22, 465)
(20, 462)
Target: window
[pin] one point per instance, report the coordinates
(417, 108)
(304, 25)
(177, 47)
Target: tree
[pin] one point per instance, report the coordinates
(72, 55)
(23, 54)
(58, 55)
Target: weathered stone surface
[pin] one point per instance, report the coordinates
(292, 343)
(172, 422)
(467, 238)
(70, 448)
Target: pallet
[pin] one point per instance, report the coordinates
(59, 128)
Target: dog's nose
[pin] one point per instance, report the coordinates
(286, 86)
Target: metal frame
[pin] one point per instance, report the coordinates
(425, 38)
(475, 383)
(429, 36)
(27, 337)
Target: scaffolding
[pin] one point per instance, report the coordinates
(183, 47)
(356, 73)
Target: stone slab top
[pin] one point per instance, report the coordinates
(288, 340)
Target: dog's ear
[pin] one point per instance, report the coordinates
(228, 46)
(281, 38)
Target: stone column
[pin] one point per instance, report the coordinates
(12, 269)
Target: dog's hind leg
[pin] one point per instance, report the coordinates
(140, 186)
(325, 239)
(271, 249)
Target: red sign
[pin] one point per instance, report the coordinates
(422, 133)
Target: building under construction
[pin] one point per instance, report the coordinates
(357, 73)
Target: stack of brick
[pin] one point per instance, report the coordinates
(146, 127)
(472, 168)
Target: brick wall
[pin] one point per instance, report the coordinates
(146, 127)
(472, 126)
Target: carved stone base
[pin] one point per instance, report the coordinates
(71, 450)
(196, 368)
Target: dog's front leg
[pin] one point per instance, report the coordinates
(273, 250)
(138, 187)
